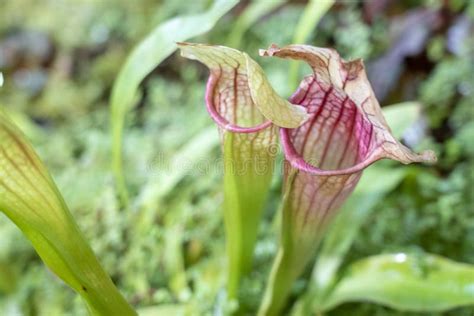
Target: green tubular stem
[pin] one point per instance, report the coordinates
(245, 192)
(280, 280)
(295, 251)
(288, 265)
(279, 286)
(234, 243)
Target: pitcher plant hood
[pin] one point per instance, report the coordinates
(325, 157)
(345, 132)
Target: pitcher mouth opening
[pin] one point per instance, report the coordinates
(221, 121)
(338, 138)
(297, 161)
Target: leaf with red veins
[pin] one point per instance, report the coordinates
(345, 133)
(239, 97)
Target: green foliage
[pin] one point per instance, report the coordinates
(312, 14)
(406, 282)
(430, 209)
(158, 45)
(255, 11)
(29, 197)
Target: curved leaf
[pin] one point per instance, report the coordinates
(158, 45)
(29, 197)
(426, 283)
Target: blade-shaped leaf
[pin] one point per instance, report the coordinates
(149, 53)
(29, 197)
(425, 283)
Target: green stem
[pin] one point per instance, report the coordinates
(279, 286)
(233, 237)
(245, 191)
(297, 248)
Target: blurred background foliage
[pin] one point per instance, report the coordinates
(60, 58)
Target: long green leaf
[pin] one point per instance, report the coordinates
(149, 53)
(425, 283)
(29, 197)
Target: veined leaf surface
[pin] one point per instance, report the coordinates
(425, 283)
(29, 197)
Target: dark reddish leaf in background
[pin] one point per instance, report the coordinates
(409, 34)
(373, 8)
(458, 34)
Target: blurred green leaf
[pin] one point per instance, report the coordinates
(8, 278)
(170, 173)
(401, 116)
(148, 54)
(29, 197)
(174, 260)
(406, 282)
(254, 12)
(175, 310)
(312, 14)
